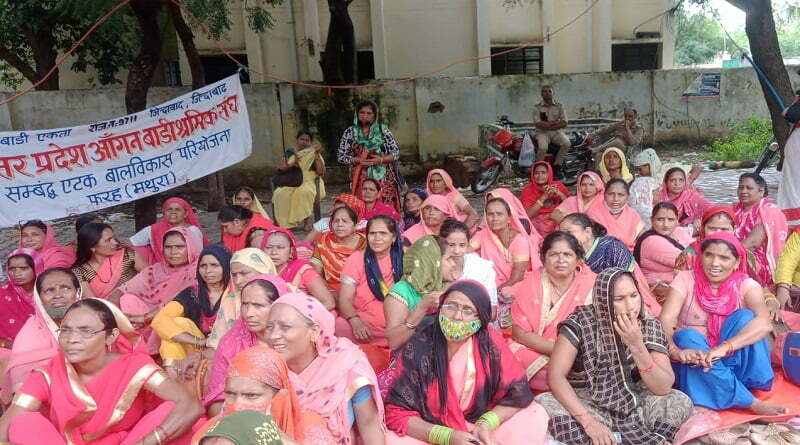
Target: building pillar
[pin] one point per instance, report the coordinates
(549, 57)
(379, 55)
(254, 50)
(483, 34)
(601, 36)
(311, 45)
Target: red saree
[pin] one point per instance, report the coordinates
(533, 191)
(235, 243)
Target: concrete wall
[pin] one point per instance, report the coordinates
(424, 132)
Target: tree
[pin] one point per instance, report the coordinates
(338, 64)
(34, 32)
(699, 38)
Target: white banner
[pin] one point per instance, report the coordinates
(48, 174)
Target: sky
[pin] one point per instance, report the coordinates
(732, 17)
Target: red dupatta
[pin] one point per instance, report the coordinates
(533, 191)
(52, 253)
(17, 304)
(235, 243)
(295, 268)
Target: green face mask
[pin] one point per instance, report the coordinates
(57, 313)
(458, 330)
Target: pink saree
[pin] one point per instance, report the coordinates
(16, 304)
(107, 276)
(771, 217)
(54, 254)
(691, 203)
(294, 270)
(625, 226)
(419, 229)
(577, 204)
(453, 195)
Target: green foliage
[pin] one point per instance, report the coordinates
(699, 38)
(746, 143)
(217, 14)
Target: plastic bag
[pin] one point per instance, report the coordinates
(527, 154)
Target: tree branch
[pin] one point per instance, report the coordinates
(744, 5)
(20, 65)
(187, 41)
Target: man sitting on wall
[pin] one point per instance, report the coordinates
(625, 135)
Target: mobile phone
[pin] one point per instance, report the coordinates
(543, 116)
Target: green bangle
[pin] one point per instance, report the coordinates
(490, 419)
(440, 435)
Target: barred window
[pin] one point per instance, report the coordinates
(522, 61)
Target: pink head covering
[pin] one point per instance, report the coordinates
(276, 281)
(601, 188)
(52, 253)
(519, 222)
(420, 229)
(159, 229)
(295, 264)
(691, 202)
(312, 309)
(727, 298)
(36, 256)
(448, 182)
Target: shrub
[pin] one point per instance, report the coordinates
(746, 143)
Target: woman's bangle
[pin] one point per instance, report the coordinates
(440, 435)
(159, 439)
(771, 297)
(490, 419)
(351, 317)
(647, 369)
(411, 326)
(730, 349)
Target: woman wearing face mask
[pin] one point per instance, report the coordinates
(434, 210)
(439, 182)
(657, 249)
(242, 228)
(41, 237)
(279, 244)
(102, 264)
(22, 267)
(37, 343)
(760, 226)
(412, 206)
(429, 265)
(176, 212)
(337, 245)
(541, 196)
(621, 220)
(614, 165)
(245, 264)
(332, 375)
(610, 374)
(369, 148)
(544, 299)
(458, 383)
(589, 195)
(249, 330)
(258, 379)
(100, 388)
(716, 322)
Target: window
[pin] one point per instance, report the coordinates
(365, 62)
(172, 72)
(522, 61)
(634, 56)
(220, 67)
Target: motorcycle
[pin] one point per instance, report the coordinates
(504, 149)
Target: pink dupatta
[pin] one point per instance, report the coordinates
(775, 226)
(16, 305)
(108, 274)
(160, 282)
(419, 229)
(453, 195)
(691, 203)
(340, 369)
(295, 268)
(52, 253)
(577, 204)
(154, 253)
(381, 209)
(625, 226)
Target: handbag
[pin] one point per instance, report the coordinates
(292, 177)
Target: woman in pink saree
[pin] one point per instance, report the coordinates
(760, 226)
(16, 294)
(149, 242)
(591, 190)
(434, 210)
(620, 219)
(96, 390)
(36, 344)
(544, 299)
(440, 183)
(41, 237)
(691, 203)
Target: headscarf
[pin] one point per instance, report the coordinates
(626, 174)
(255, 206)
(519, 221)
(326, 385)
(691, 203)
(292, 271)
(721, 304)
(422, 388)
(648, 156)
(710, 213)
(355, 203)
(373, 269)
(533, 191)
(160, 228)
(263, 364)
(255, 259)
(247, 427)
(448, 182)
(420, 229)
(576, 204)
(422, 272)
(409, 219)
(236, 339)
(17, 304)
(195, 301)
(160, 282)
(52, 253)
(372, 143)
(607, 363)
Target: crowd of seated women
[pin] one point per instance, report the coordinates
(595, 318)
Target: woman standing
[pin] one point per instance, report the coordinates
(610, 373)
(176, 212)
(279, 244)
(293, 205)
(589, 195)
(366, 279)
(439, 182)
(369, 148)
(336, 246)
(760, 226)
(334, 378)
(242, 228)
(98, 387)
(434, 210)
(102, 264)
(458, 383)
(620, 219)
(716, 322)
(678, 190)
(38, 236)
(22, 267)
(544, 299)
(246, 197)
(644, 190)
(541, 197)
(615, 165)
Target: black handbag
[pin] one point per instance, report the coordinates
(292, 177)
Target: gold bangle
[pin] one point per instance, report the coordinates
(159, 440)
(772, 298)
(411, 326)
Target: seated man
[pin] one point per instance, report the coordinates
(626, 135)
(550, 119)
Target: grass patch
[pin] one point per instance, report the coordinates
(747, 143)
